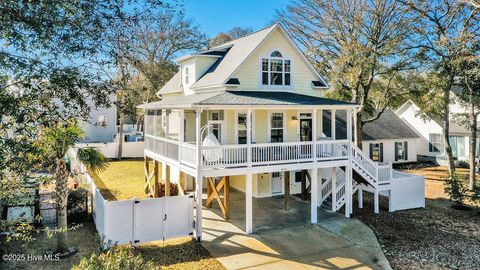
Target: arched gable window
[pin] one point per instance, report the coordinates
(276, 70)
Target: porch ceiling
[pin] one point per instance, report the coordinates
(245, 98)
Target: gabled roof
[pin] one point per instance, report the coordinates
(244, 98)
(230, 56)
(388, 126)
(239, 51)
(174, 85)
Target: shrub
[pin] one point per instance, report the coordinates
(456, 189)
(116, 258)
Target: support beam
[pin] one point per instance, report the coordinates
(334, 189)
(360, 197)
(198, 178)
(376, 206)
(214, 190)
(156, 184)
(181, 183)
(348, 171)
(333, 125)
(314, 196)
(249, 204)
(167, 181)
(286, 183)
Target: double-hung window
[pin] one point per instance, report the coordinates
(435, 143)
(401, 151)
(276, 127)
(276, 70)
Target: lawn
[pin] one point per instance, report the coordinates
(435, 177)
(122, 180)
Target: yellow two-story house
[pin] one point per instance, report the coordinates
(249, 115)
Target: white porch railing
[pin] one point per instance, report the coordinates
(235, 155)
(369, 169)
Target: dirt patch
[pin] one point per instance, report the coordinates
(437, 237)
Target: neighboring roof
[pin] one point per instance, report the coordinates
(174, 85)
(387, 126)
(244, 98)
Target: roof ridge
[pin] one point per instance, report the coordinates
(251, 34)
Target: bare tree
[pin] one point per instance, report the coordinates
(234, 33)
(145, 43)
(362, 45)
(441, 28)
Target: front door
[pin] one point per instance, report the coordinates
(277, 183)
(305, 130)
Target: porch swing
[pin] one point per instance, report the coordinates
(215, 184)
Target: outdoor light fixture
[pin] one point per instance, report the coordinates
(294, 118)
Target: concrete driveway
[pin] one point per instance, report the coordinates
(334, 243)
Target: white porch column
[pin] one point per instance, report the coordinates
(333, 125)
(376, 202)
(198, 177)
(314, 183)
(334, 189)
(314, 195)
(249, 204)
(360, 197)
(248, 184)
(181, 132)
(355, 129)
(348, 172)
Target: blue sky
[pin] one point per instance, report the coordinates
(215, 16)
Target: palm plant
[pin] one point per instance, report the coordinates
(56, 141)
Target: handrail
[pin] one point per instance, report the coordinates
(376, 167)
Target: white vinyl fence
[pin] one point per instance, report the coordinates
(407, 192)
(137, 221)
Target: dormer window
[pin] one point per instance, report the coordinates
(187, 75)
(276, 70)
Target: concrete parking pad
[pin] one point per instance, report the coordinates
(333, 243)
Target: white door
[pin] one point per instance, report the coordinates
(277, 183)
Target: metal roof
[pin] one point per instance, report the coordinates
(244, 98)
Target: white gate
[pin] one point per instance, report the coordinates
(137, 221)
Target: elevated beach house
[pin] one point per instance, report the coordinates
(248, 115)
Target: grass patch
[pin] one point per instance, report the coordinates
(122, 180)
(181, 253)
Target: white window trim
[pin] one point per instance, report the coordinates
(270, 125)
(221, 122)
(298, 121)
(440, 150)
(187, 75)
(252, 124)
(260, 71)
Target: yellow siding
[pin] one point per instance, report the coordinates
(261, 126)
(230, 126)
(238, 182)
(302, 76)
(291, 126)
(260, 184)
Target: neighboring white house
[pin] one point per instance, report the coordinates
(251, 112)
(430, 144)
(101, 125)
(101, 132)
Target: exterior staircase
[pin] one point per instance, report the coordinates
(366, 175)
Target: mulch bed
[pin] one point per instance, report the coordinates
(437, 237)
